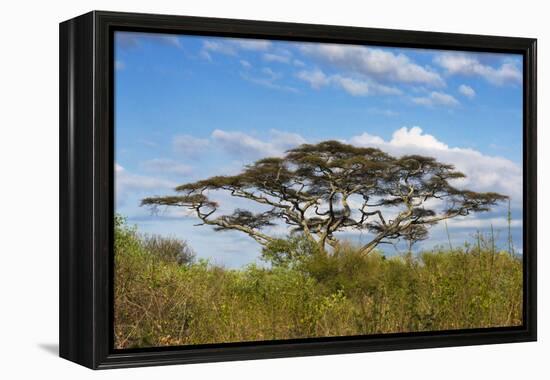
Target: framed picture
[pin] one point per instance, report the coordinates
(237, 189)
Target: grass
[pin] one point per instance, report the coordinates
(162, 299)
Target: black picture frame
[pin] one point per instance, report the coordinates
(86, 189)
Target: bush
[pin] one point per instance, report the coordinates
(289, 252)
(168, 249)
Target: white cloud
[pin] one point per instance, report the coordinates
(267, 78)
(127, 182)
(166, 166)
(189, 146)
(241, 144)
(231, 46)
(171, 40)
(366, 139)
(270, 57)
(469, 65)
(205, 55)
(285, 140)
(404, 137)
(136, 39)
(357, 87)
(251, 44)
(316, 78)
(127, 40)
(436, 98)
(375, 63)
(245, 64)
(270, 73)
(482, 223)
(467, 91)
(245, 146)
(483, 172)
(218, 47)
(353, 86)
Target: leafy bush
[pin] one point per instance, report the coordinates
(289, 252)
(168, 249)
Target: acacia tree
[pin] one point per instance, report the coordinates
(320, 189)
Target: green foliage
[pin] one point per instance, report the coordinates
(307, 293)
(168, 249)
(289, 252)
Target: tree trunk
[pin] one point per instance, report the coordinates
(370, 246)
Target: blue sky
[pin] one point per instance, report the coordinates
(189, 107)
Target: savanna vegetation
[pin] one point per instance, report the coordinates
(163, 296)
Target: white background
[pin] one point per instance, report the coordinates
(29, 187)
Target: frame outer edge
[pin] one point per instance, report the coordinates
(66, 326)
(86, 166)
(76, 256)
(103, 162)
(531, 187)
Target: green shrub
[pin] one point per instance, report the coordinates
(168, 249)
(289, 252)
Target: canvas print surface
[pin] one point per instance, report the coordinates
(274, 190)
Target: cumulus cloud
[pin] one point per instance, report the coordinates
(483, 172)
(374, 63)
(243, 145)
(244, 63)
(468, 222)
(231, 46)
(268, 78)
(270, 57)
(189, 146)
(270, 73)
(467, 91)
(353, 86)
(285, 140)
(250, 44)
(366, 139)
(218, 47)
(166, 166)
(128, 40)
(315, 78)
(127, 182)
(470, 65)
(171, 41)
(436, 98)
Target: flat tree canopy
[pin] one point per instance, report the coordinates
(320, 189)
